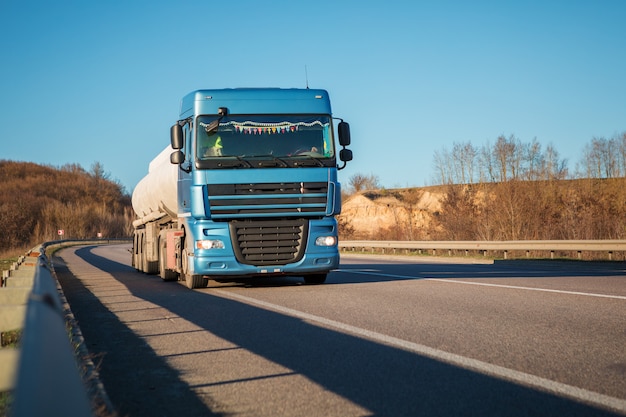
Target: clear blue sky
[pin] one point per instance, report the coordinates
(86, 81)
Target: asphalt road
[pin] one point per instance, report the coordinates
(383, 337)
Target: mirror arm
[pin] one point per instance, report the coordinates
(186, 168)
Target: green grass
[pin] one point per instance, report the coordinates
(5, 403)
(5, 263)
(10, 339)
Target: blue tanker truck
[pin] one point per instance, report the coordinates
(248, 187)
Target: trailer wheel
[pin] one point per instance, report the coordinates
(149, 267)
(164, 273)
(315, 279)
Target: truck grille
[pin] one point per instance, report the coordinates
(293, 199)
(269, 242)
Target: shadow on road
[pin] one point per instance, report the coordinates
(137, 381)
(371, 271)
(384, 380)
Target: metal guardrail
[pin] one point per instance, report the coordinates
(504, 247)
(47, 380)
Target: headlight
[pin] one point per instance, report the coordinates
(209, 244)
(326, 241)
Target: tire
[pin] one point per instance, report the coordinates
(191, 280)
(152, 267)
(138, 261)
(196, 281)
(315, 279)
(149, 267)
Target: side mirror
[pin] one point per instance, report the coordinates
(344, 133)
(177, 157)
(345, 155)
(176, 136)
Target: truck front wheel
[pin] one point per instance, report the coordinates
(192, 280)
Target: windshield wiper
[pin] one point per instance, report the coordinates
(309, 162)
(227, 162)
(275, 161)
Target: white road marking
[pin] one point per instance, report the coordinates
(376, 273)
(515, 287)
(512, 375)
(587, 294)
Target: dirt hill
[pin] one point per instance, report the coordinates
(36, 201)
(514, 210)
(391, 214)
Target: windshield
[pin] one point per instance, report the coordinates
(245, 141)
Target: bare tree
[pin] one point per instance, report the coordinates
(464, 159)
(600, 158)
(620, 141)
(509, 159)
(360, 182)
(486, 167)
(508, 155)
(553, 168)
(442, 168)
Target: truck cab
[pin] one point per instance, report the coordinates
(256, 186)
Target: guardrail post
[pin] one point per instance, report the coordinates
(610, 256)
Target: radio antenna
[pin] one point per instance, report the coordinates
(306, 76)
